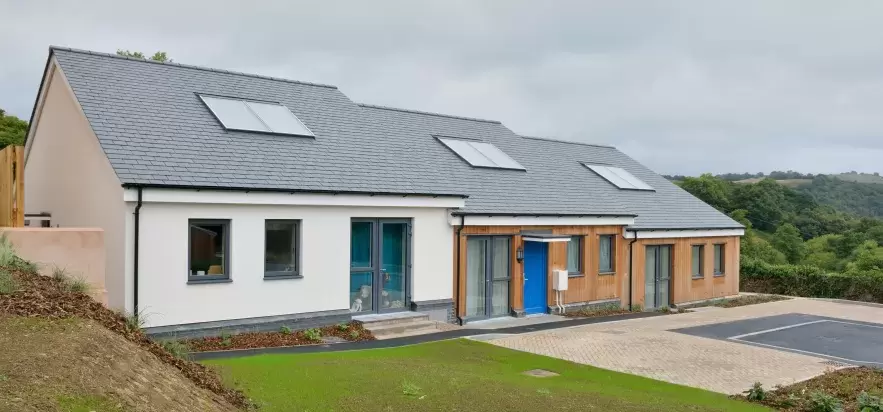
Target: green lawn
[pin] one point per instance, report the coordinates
(454, 375)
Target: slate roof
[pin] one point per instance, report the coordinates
(155, 130)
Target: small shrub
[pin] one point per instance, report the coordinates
(134, 321)
(664, 309)
(637, 307)
(822, 402)
(313, 334)
(869, 403)
(178, 349)
(59, 273)
(285, 330)
(7, 252)
(410, 389)
(354, 334)
(8, 284)
(226, 339)
(343, 327)
(756, 393)
(77, 285)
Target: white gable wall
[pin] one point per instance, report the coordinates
(68, 175)
(167, 299)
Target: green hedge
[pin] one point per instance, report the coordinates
(809, 281)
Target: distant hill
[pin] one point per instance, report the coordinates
(856, 193)
(860, 177)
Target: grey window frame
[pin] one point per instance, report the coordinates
(722, 257)
(296, 274)
(225, 278)
(581, 265)
(701, 273)
(612, 269)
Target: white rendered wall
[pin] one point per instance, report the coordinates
(167, 299)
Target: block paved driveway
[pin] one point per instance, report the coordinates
(653, 348)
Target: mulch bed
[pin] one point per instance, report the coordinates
(742, 301)
(843, 384)
(44, 297)
(353, 332)
(595, 313)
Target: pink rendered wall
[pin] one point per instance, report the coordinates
(79, 251)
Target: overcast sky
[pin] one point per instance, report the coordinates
(684, 87)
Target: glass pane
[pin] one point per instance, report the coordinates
(208, 246)
(605, 257)
(664, 262)
(500, 298)
(611, 177)
(501, 258)
(279, 118)
(496, 155)
(573, 253)
(234, 114)
(697, 260)
(476, 266)
(360, 244)
(361, 290)
(280, 247)
(650, 277)
(393, 265)
(662, 285)
(718, 259)
(628, 177)
(463, 149)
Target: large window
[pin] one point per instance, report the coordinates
(719, 252)
(698, 261)
(606, 255)
(209, 257)
(575, 255)
(281, 248)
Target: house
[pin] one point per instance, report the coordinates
(236, 200)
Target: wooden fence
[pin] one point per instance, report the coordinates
(12, 186)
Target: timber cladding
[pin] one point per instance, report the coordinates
(684, 287)
(590, 285)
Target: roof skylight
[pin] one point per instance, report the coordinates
(480, 154)
(619, 177)
(238, 114)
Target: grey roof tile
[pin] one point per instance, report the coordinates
(154, 129)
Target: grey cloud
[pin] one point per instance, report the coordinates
(683, 86)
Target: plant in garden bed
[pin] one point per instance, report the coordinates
(850, 389)
(284, 337)
(605, 310)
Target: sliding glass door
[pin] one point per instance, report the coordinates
(379, 265)
(487, 276)
(657, 276)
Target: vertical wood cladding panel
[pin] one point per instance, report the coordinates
(684, 287)
(592, 286)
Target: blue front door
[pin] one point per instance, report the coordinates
(535, 277)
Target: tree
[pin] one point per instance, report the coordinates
(868, 257)
(159, 56)
(709, 189)
(765, 202)
(787, 240)
(12, 130)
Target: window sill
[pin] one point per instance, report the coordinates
(575, 275)
(606, 273)
(719, 275)
(280, 277)
(205, 281)
(699, 277)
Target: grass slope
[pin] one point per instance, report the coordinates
(454, 375)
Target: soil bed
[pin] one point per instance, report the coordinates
(45, 297)
(353, 332)
(845, 384)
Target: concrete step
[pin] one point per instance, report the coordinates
(395, 330)
(377, 320)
